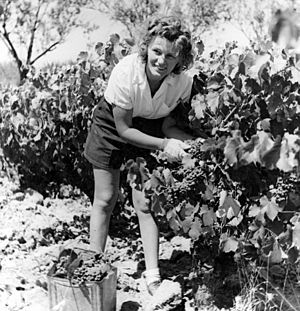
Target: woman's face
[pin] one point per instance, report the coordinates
(162, 58)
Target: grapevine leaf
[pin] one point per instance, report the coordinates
(294, 198)
(174, 222)
(157, 201)
(230, 245)
(209, 218)
(268, 247)
(221, 213)
(230, 213)
(258, 236)
(231, 206)
(156, 181)
(277, 254)
(233, 59)
(209, 192)
(260, 63)
(231, 148)
(296, 235)
(196, 229)
(38, 136)
(199, 106)
(264, 125)
(293, 254)
(214, 82)
(188, 162)
(204, 209)
(223, 195)
(187, 224)
(274, 102)
(265, 143)
(252, 86)
(249, 59)
(236, 220)
(263, 74)
(98, 48)
(187, 210)
(72, 266)
(200, 47)
(269, 207)
(276, 226)
(249, 153)
(271, 156)
(82, 56)
(213, 101)
(290, 146)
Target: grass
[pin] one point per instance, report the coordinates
(261, 293)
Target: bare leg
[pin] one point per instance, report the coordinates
(105, 197)
(148, 228)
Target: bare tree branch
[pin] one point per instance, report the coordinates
(10, 46)
(32, 36)
(50, 48)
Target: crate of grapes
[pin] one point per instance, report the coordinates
(82, 280)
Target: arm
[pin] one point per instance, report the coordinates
(123, 121)
(170, 130)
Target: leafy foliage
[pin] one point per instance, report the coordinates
(238, 190)
(44, 122)
(240, 177)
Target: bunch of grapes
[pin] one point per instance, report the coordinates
(189, 185)
(82, 269)
(285, 185)
(92, 270)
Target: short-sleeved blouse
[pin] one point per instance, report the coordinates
(128, 88)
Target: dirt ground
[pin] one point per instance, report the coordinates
(33, 229)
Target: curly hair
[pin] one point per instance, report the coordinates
(170, 28)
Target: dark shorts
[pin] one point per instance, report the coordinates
(104, 148)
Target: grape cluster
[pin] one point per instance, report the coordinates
(195, 149)
(92, 269)
(191, 185)
(285, 185)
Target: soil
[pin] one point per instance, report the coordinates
(34, 229)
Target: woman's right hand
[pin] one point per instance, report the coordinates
(174, 149)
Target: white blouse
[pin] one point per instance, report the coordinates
(128, 88)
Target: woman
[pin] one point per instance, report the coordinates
(145, 85)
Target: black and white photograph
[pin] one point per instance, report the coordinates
(149, 155)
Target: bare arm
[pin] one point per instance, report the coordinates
(170, 130)
(123, 121)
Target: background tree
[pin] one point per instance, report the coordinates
(31, 29)
(254, 18)
(133, 14)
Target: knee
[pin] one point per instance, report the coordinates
(105, 201)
